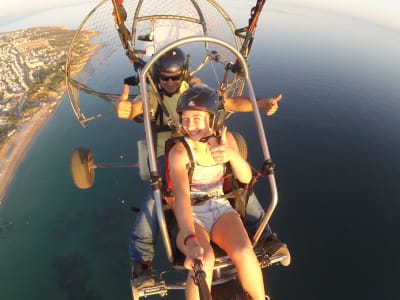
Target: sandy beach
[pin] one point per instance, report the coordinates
(16, 146)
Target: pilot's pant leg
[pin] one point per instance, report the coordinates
(254, 216)
(145, 230)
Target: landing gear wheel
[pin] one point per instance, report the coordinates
(82, 168)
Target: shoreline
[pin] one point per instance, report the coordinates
(15, 148)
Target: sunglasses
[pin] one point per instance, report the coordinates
(173, 78)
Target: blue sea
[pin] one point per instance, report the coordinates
(335, 142)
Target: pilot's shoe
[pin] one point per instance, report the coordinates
(141, 274)
(273, 246)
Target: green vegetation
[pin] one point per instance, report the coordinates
(5, 129)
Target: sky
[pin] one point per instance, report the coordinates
(43, 13)
(13, 9)
(385, 12)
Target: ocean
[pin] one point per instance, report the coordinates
(334, 141)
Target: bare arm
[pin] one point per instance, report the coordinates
(243, 104)
(178, 160)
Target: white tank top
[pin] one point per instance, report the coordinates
(206, 180)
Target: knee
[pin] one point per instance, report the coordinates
(242, 252)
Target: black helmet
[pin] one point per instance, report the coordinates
(203, 98)
(172, 61)
(199, 97)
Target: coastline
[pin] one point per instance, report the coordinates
(15, 148)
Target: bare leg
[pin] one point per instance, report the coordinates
(230, 234)
(192, 291)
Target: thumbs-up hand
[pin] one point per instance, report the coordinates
(124, 108)
(220, 149)
(271, 105)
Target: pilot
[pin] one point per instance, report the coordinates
(171, 75)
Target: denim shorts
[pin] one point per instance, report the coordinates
(208, 213)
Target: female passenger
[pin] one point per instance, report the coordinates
(213, 219)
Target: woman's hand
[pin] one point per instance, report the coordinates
(226, 151)
(193, 251)
(220, 149)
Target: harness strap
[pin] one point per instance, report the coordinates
(158, 125)
(201, 200)
(159, 117)
(190, 154)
